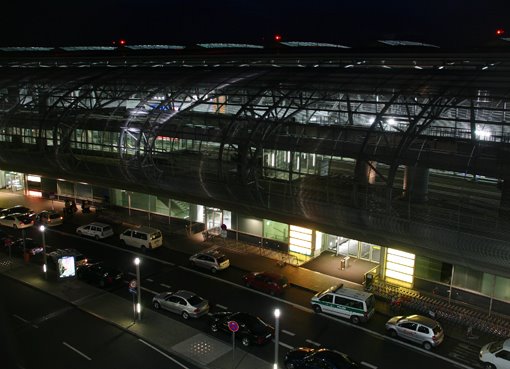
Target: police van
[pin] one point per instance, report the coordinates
(358, 306)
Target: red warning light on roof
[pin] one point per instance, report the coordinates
(122, 42)
(500, 32)
(277, 38)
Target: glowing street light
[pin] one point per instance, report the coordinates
(276, 336)
(138, 289)
(42, 228)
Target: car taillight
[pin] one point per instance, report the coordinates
(260, 340)
(196, 310)
(110, 280)
(434, 338)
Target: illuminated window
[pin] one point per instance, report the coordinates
(400, 265)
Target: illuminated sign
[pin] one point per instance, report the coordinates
(66, 267)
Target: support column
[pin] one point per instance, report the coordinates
(416, 182)
(365, 174)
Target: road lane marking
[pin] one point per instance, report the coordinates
(162, 353)
(285, 345)
(222, 307)
(150, 280)
(25, 321)
(313, 342)
(76, 350)
(148, 290)
(369, 365)
(165, 285)
(287, 332)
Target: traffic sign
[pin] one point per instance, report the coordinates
(233, 326)
(132, 286)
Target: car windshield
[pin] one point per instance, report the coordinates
(195, 300)
(370, 301)
(255, 324)
(495, 346)
(437, 329)
(221, 259)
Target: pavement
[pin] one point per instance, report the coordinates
(155, 329)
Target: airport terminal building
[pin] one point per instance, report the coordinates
(396, 156)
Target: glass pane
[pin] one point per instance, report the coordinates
(276, 230)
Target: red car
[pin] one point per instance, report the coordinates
(268, 282)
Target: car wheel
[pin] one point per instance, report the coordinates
(123, 243)
(488, 366)
(248, 284)
(355, 319)
(393, 333)
(144, 249)
(245, 341)
(79, 233)
(192, 263)
(14, 226)
(185, 315)
(272, 293)
(213, 270)
(96, 237)
(214, 327)
(156, 305)
(317, 309)
(101, 283)
(427, 346)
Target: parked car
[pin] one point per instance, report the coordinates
(96, 230)
(18, 209)
(496, 355)
(185, 303)
(309, 358)
(417, 328)
(49, 218)
(272, 283)
(252, 329)
(212, 260)
(99, 273)
(142, 237)
(30, 246)
(17, 221)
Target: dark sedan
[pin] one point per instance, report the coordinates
(252, 329)
(100, 274)
(272, 283)
(18, 209)
(309, 358)
(28, 245)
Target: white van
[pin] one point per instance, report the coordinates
(142, 237)
(358, 306)
(496, 355)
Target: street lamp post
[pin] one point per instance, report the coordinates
(138, 289)
(45, 264)
(276, 336)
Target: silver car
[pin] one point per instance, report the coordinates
(417, 328)
(212, 260)
(185, 303)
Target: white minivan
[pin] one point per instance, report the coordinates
(357, 306)
(96, 230)
(142, 237)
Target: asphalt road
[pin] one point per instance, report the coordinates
(41, 331)
(166, 269)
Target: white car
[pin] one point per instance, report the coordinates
(212, 260)
(96, 230)
(496, 355)
(17, 221)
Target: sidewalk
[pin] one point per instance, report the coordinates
(240, 256)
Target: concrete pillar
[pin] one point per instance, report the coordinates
(416, 182)
(365, 173)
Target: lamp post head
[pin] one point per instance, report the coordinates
(42, 228)
(276, 313)
(137, 261)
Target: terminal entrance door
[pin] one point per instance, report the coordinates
(213, 218)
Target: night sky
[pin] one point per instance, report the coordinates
(446, 23)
